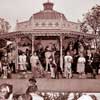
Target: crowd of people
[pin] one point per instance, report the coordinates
(82, 64)
(6, 92)
(32, 93)
(79, 61)
(76, 60)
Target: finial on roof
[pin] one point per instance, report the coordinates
(48, 5)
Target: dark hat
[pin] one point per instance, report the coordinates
(31, 89)
(33, 79)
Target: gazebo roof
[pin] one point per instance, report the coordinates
(44, 32)
(49, 13)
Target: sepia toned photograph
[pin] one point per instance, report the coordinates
(32, 93)
(50, 50)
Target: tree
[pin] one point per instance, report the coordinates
(84, 27)
(2, 43)
(92, 20)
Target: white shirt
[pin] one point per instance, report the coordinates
(85, 97)
(22, 62)
(81, 60)
(10, 97)
(36, 96)
(22, 59)
(71, 96)
(68, 59)
(34, 60)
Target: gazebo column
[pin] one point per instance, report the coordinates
(33, 40)
(61, 51)
(16, 62)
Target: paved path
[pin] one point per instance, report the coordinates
(79, 85)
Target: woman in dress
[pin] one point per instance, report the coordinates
(67, 66)
(81, 65)
(37, 68)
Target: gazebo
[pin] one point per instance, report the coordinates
(45, 27)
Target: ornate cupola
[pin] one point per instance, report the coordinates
(48, 6)
(49, 13)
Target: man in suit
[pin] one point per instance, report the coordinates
(96, 63)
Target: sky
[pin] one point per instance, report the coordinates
(12, 10)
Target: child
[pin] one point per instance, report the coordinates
(81, 65)
(67, 68)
